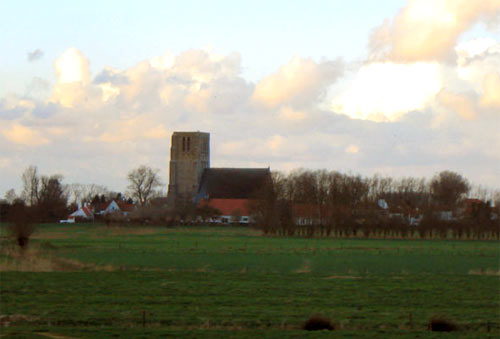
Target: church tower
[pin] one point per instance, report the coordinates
(189, 156)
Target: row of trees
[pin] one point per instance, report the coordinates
(329, 202)
(45, 198)
(302, 202)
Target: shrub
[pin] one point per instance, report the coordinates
(439, 323)
(21, 224)
(318, 323)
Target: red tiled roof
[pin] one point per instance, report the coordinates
(228, 206)
(87, 211)
(125, 206)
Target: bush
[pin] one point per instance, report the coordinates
(318, 323)
(441, 324)
(21, 224)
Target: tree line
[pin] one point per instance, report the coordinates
(330, 203)
(301, 203)
(45, 198)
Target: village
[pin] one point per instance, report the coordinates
(199, 194)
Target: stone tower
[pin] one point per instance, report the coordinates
(189, 156)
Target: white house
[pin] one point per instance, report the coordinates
(83, 212)
(118, 207)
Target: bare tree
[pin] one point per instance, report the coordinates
(10, 196)
(75, 193)
(143, 183)
(31, 182)
(78, 193)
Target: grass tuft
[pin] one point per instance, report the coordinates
(318, 323)
(439, 323)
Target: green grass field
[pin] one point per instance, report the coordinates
(92, 281)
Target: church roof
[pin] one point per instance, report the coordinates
(232, 183)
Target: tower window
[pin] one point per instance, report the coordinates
(189, 144)
(183, 144)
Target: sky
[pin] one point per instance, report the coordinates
(91, 90)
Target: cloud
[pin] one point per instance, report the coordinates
(23, 135)
(297, 83)
(95, 129)
(464, 104)
(13, 107)
(72, 66)
(491, 91)
(353, 149)
(386, 91)
(35, 55)
(428, 30)
(416, 64)
(73, 76)
(110, 75)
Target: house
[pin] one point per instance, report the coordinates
(117, 207)
(231, 191)
(231, 210)
(82, 213)
(310, 214)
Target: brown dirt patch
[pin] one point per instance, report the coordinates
(54, 335)
(342, 277)
(481, 271)
(37, 260)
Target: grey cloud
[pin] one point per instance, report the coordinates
(109, 76)
(35, 55)
(37, 88)
(10, 113)
(46, 110)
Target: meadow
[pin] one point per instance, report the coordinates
(84, 281)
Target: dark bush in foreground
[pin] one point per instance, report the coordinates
(441, 324)
(21, 224)
(318, 323)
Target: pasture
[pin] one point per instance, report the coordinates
(84, 281)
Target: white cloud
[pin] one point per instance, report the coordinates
(299, 83)
(491, 91)
(72, 66)
(353, 149)
(95, 129)
(23, 135)
(427, 30)
(386, 91)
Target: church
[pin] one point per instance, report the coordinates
(191, 178)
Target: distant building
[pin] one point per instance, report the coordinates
(189, 157)
(228, 190)
(115, 206)
(231, 190)
(83, 213)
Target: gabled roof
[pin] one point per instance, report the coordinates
(232, 183)
(125, 206)
(229, 206)
(84, 212)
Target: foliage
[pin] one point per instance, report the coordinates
(448, 188)
(52, 200)
(321, 203)
(21, 225)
